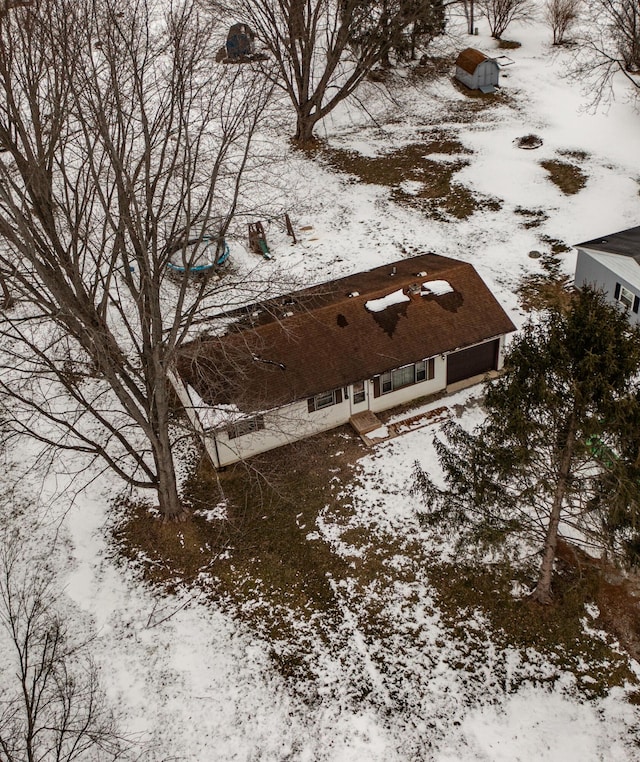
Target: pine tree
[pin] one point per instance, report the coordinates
(560, 443)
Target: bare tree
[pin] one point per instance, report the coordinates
(124, 145)
(560, 15)
(321, 50)
(501, 13)
(609, 44)
(52, 707)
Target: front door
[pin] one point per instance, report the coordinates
(358, 397)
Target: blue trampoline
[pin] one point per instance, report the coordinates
(199, 255)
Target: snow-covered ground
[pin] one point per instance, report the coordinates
(196, 684)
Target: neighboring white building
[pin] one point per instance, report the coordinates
(612, 263)
(317, 358)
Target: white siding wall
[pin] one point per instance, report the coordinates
(596, 270)
(501, 352)
(408, 393)
(282, 426)
(466, 78)
(294, 422)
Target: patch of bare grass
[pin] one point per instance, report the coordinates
(435, 192)
(556, 631)
(531, 218)
(574, 153)
(267, 564)
(566, 176)
(432, 66)
(483, 100)
(557, 246)
(259, 558)
(551, 287)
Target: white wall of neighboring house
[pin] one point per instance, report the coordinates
(603, 271)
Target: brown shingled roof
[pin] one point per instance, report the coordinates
(331, 340)
(469, 59)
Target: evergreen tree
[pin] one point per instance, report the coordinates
(560, 442)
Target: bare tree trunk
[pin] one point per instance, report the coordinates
(168, 496)
(542, 593)
(305, 125)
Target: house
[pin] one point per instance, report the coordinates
(477, 71)
(318, 358)
(612, 263)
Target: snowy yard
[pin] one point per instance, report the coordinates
(327, 624)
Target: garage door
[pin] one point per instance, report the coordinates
(472, 361)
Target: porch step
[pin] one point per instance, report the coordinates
(365, 422)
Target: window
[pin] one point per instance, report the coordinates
(326, 399)
(245, 426)
(626, 297)
(407, 375)
(358, 392)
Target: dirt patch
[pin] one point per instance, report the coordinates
(556, 245)
(531, 218)
(616, 595)
(528, 142)
(568, 177)
(575, 154)
(509, 44)
(488, 99)
(407, 163)
(430, 67)
(549, 288)
(416, 179)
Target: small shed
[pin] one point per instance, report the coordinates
(477, 71)
(239, 42)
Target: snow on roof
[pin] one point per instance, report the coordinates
(436, 288)
(213, 417)
(378, 305)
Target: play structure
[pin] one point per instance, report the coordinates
(199, 255)
(239, 47)
(258, 240)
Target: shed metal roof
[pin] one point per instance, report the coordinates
(469, 59)
(322, 338)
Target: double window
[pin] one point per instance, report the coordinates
(245, 426)
(407, 375)
(326, 399)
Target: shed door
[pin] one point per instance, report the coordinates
(487, 74)
(473, 361)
